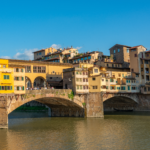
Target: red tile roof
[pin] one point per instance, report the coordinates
(39, 50)
(147, 51)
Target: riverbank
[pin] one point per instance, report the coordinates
(32, 108)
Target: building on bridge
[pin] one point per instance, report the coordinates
(39, 74)
(6, 78)
(19, 78)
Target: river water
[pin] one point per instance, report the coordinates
(37, 131)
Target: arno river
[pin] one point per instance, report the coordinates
(117, 131)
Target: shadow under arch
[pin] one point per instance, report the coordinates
(60, 107)
(28, 82)
(120, 103)
(39, 81)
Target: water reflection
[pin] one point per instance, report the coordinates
(114, 132)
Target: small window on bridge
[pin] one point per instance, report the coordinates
(93, 78)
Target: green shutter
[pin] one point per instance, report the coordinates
(6, 88)
(0, 87)
(115, 88)
(4, 76)
(22, 78)
(128, 88)
(129, 81)
(23, 88)
(11, 88)
(7, 76)
(110, 87)
(22, 70)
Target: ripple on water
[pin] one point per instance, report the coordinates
(114, 132)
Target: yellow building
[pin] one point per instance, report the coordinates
(37, 74)
(40, 53)
(19, 79)
(6, 78)
(83, 65)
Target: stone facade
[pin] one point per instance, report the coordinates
(121, 54)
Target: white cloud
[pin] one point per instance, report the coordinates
(56, 46)
(79, 47)
(26, 55)
(5, 57)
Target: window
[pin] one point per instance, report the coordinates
(148, 88)
(6, 77)
(76, 72)
(119, 74)
(17, 69)
(146, 61)
(141, 69)
(132, 70)
(43, 69)
(102, 79)
(123, 88)
(80, 87)
(77, 86)
(122, 75)
(118, 50)
(28, 69)
(111, 80)
(34, 69)
(94, 87)
(22, 78)
(96, 70)
(4, 66)
(128, 88)
(93, 78)
(133, 88)
(144, 89)
(22, 70)
(114, 51)
(40, 53)
(89, 57)
(135, 55)
(39, 69)
(86, 80)
(127, 50)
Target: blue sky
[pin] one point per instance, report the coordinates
(90, 25)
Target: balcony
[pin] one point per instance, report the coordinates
(82, 83)
(79, 91)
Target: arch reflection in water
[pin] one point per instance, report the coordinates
(114, 132)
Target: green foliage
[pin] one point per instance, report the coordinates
(33, 95)
(71, 95)
(84, 104)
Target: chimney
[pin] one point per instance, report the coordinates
(71, 46)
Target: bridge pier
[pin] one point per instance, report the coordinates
(94, 105)
(3, 112)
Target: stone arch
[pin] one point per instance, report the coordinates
(107, 96)
(39, 81)
(120, 103)
(28, 83)
(58, 101)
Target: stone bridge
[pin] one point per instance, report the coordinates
(80, 105)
